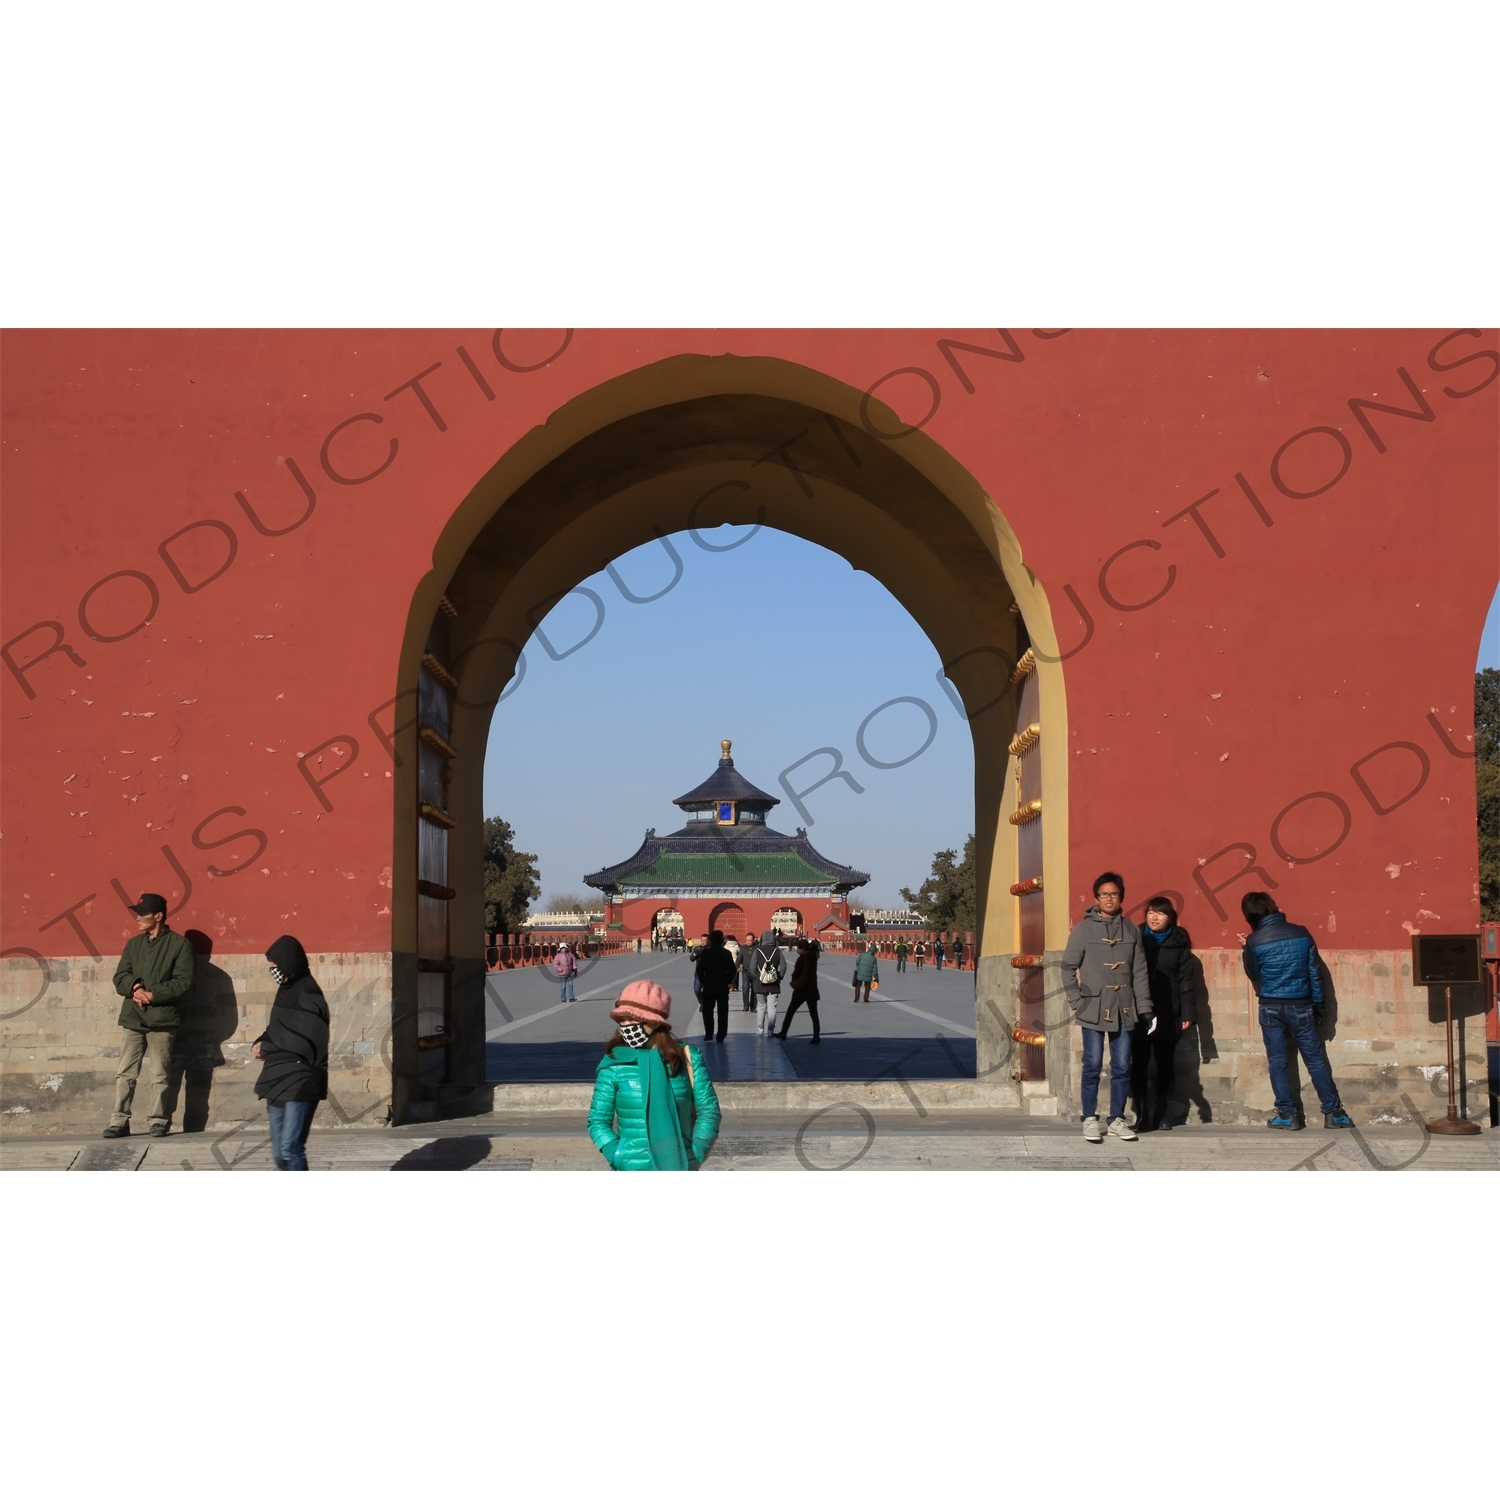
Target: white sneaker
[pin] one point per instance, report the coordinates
(1091, 1131)
(1121, 1131)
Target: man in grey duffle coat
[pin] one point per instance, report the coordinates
(1104, 974)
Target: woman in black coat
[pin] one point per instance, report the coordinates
(293, 1050)
(804, 989)
(1169, 955)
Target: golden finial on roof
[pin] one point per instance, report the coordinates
(724, 746)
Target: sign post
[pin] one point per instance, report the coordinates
(1447, 960)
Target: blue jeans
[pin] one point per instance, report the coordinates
(1119, 1072)
(1282, 1021)
(565, 991)
(289, 1126)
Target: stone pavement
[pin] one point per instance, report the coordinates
(921, 1023)
(837, 1138)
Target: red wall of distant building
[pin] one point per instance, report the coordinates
(736, 917)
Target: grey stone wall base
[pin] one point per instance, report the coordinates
(59, 1048)
(59, 1043)
(1383, 1037)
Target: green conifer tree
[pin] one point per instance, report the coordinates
(511, 881)
(1487, 775)
(946, 899)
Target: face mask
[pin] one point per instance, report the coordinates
(277, 975)
(635, 1034)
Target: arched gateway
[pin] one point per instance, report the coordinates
(690, 445)
(263, 590)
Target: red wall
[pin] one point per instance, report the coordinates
(1328, 655)
(703, 914)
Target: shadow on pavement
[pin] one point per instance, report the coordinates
(448, 1154)
(541, 1062)
(865, 1057)
(835, 1058)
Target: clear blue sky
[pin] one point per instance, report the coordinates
(1489, 644)
(778, 645)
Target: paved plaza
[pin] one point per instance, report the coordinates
(921, 1023)
(834, 1138)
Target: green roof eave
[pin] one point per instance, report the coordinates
(717, 870)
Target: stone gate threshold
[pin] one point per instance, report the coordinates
(825, 1138)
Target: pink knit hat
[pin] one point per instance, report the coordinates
(643, 1000)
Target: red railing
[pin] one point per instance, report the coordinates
(525, 950)
(509, 950)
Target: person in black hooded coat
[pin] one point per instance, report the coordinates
(293, 1050)
(1169, 970)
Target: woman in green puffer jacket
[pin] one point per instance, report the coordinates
(654, 1107)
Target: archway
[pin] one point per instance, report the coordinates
(665, 922)
(691, 444)
(728, 917)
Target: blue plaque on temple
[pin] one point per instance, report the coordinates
(726, 812)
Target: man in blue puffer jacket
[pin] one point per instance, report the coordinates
(1281, 960)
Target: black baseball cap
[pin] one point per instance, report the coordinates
(149, 903)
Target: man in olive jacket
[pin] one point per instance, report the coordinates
(154, 973)
(1104, 974)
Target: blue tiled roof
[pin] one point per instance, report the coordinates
(743, 854)
(727, 785)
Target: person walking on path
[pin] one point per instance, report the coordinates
(713, 976)
(746, 978)
(1104, 974)
(901, 951)
(804, 989)
(866, 974)
(920, 953)
(1281, 961)
(293, 1053)
(938, 953)
(958, 952)
(736, 984)
(767, 969)
(155, 971)
(1169, 952)
(654, 1108)
(693, 955)
(565, 966)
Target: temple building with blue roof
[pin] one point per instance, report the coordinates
(726, 868)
